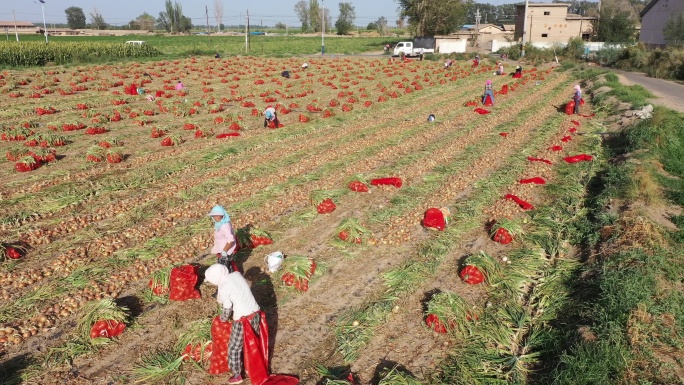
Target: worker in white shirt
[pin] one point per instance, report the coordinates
(235, 296)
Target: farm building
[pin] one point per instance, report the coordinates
(21, 27)
(551, 23)
(484, 32)
(450, 43)
(654, 17)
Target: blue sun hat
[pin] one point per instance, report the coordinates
(219, 210)
(268, 114)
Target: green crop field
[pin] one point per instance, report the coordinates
(231, 45)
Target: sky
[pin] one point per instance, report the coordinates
(268, 12)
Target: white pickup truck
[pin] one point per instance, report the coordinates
(409, 50)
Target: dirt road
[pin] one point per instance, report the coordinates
(669, 94)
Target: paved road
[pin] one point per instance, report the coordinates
(669, 94)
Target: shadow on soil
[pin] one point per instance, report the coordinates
(134, 304)
(10, 370)
(264, 293)
(385, 366)
(427, 298)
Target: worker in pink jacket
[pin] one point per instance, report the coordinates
(225, 243)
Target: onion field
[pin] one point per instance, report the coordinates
(109, 172)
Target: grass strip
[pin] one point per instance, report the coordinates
(619, 325)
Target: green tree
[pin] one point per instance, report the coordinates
(280, 25)
(371, 26)
(163, 22)
(311, 15)
(434, 17)
(581, 7)
(315, 15)
(143, 22)
(302, 11)
(381, 25)
(345, 22)
(674, 30)
(218, 12)
(97, 20)
(185, 24)
(172, 19)
(75, 17)
(616, 22)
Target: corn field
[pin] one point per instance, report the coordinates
(38, 54)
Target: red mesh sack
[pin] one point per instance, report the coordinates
(220, 335)
(396, 182)
(435, 324)
(326, 207)
(358, 186)
(488, 101)
(570, 107)
(434, 219)
(131, 89)
(106, 329)
(578, 158)
(227, 135)
(182, 283)
(535, 180)
(197, 352)
(502, 236)
(523, 204)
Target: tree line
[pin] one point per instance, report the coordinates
(171, 19)
(615, 21)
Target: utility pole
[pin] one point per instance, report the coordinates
(477, 25)
(530, 41)
(247, 34)
(206, 11)
(524, 34)
(16, 32)
(323, 29)
(44, 24)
